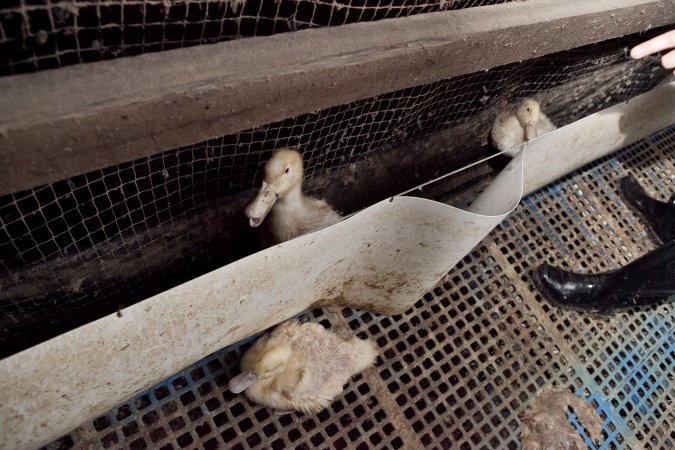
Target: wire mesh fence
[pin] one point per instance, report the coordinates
(77, 249)
(44, 35)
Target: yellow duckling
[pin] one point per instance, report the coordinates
(301, 367)
(291, 213)
(509, 130)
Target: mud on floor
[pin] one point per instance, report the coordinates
(460, 368)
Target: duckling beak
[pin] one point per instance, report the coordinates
(242, 381)
(261, 205)
(531, 129)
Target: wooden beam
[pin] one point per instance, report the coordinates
(60, 123)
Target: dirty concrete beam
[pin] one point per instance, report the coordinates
(60, 123)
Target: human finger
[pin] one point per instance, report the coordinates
(661, 42)
(668, 60)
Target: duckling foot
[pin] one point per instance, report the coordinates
(282, 412)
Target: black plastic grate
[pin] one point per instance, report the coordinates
(458, 369)
(80, 248)
(37, 35)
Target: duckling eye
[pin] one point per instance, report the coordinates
(288, 169)
(528, 109)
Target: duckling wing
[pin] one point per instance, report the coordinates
(314, 392)
(325, 362)
(544, 125)
(319, 214)
(364, 354)
(507, 133)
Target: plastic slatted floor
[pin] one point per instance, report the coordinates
(457, 369)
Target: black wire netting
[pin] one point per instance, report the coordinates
(36, 35)
(78, 249)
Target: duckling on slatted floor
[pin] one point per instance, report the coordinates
(510, 130)
(291, 212)
(301, 367)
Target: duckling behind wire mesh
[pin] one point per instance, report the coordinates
(291, 213)
(510, 130)
(301, 367)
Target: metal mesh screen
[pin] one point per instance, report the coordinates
(80, 248)
(37, 35)
(459, 368)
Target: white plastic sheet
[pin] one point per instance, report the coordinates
(383, 259)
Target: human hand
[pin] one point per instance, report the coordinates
(664, 41)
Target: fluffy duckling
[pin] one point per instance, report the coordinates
(510, 130)
(291, 213)
(301, 367)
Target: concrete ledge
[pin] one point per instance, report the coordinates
(61, 123)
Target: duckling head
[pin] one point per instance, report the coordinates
(259, 367)
(528, 116)
(283, 175)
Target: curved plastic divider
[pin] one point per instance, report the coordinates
(382, 258)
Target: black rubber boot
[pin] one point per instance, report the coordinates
(643, 282)
(660, 216)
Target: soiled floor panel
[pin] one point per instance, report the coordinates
(582, 224)
(459, 368)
